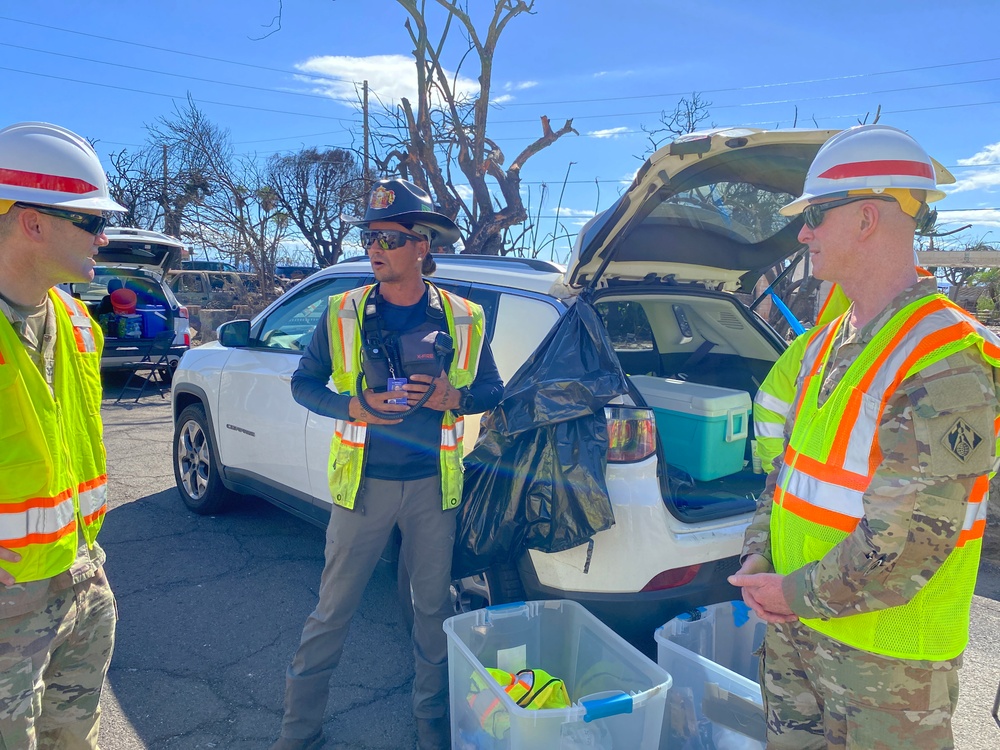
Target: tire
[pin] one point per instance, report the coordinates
(196, 464)
(500, 584)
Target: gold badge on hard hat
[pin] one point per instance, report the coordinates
(382, 198)
(962, 440)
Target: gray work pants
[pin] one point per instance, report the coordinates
(354, 541)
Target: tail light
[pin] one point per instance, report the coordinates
(182, 312)
(631, 434)
(671, 579)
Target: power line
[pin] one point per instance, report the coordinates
(778, 101)
(174, 96)
(521, 104)
(106, 38)
(174, 75)
(756, 86)
(752, 87)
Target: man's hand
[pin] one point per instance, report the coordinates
(8, 555)
(445, 395)
(761, 590)
(376, 401)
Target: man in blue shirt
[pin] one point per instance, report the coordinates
(388, 471)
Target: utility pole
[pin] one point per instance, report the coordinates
(365, 111)
(166, 203)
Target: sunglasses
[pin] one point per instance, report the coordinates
(89, 223)
(813, 213)
(387, 239)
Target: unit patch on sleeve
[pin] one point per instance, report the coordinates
(962, 440)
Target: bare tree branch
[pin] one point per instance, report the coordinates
(274, 25)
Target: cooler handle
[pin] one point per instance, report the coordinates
(602, 708)
(737, 425)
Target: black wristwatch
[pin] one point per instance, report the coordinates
(465, 400)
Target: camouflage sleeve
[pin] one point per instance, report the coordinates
(757, 538)
(936, 437)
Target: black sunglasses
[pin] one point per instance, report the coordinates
(813, 213)
(387, 239)
(89, 223)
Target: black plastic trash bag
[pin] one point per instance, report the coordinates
(536, 477)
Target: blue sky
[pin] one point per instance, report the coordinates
(612, 67)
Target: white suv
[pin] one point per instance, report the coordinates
(699, 222)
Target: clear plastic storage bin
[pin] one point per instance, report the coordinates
(617, 694)
(715, 701)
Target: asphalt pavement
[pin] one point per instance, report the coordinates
(211, 608)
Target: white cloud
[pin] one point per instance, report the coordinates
(584, 212)
(608, 132)
(390, 77)
(628, 179)
(953, 219)
(502, 99)
(614, 73)
(989, 155)
(521, 85)
(464, 192)
(986, 177)
(980, 179)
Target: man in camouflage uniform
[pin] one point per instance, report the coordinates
(57, 612)
(923, 504)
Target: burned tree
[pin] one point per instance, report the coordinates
(314, 188)
(424, 139)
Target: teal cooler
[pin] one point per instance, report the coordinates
(703, 428)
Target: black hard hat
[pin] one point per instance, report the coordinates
(405, 203)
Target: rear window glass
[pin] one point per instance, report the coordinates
(627, 325)
(746, 213)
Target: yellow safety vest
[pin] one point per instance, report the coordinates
(53, 471)
(774, 398)
(833, 454)
(465, 326)
(533, 689)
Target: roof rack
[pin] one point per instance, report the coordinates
(532, 263)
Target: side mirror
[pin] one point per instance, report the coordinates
(235, 333)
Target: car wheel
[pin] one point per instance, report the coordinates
(501, 584)
(196, 465)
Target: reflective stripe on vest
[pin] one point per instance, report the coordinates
(466, 326)
(53, 481)
(832, 457)
(774, 401)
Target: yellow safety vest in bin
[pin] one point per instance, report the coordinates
(529, 688)
(53, 472)
(465, 326)
(832, 456)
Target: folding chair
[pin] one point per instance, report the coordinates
(154, 363)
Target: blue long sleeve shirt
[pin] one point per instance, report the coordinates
(410, 449)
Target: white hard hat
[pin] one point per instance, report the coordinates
(51, 166)
(867, 157)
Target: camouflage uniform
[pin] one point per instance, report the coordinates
(819, 692)
(56, 636)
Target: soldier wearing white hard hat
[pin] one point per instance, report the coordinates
(864, 549)
(57, 612)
